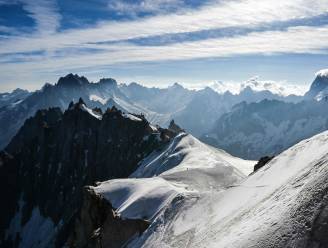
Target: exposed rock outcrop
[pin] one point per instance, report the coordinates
(99, 226)
(263, 161)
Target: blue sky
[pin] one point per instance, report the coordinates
(159, 42)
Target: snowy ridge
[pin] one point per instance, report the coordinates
(186, 154)
(275, 207)
(322, 73)
(132, 117)
(91, 112)
(184, 167)
(99, 116)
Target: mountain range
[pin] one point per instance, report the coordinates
(84, 178)
(268, 127)
(86, 168)
(195, 110)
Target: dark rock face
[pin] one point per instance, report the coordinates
(263, 161)
(55, 154)
(71, 80)
(175, 128)
(99, 226)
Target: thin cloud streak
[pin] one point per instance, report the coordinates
(304, 39)
(150, 6)
(227, 14)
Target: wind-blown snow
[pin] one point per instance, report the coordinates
(272, 208)
(322, 73)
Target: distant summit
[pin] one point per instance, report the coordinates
(322, 73)
(108, 81)
(72, 80)
(13, 98)
(319, 87)
(177, 86)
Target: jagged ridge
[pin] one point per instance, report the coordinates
(54, 155)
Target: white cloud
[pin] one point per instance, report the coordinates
(45, 13)
(294, 40)
(227, 13)
(281, 88)
(152, 6)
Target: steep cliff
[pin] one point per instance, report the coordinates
(54, 155)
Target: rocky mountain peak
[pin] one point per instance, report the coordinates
(174, 127)
(176, 86)
(72, 80)
(76, 105)
(319, 85)
(19, 91)
(108, 81)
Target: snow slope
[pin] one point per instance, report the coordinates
(284, 204)
(138, 198)
(91, 112)
(187, 155)
(184, 167)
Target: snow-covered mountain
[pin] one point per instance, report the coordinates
(182, 170)
(195, 110)
(13, 98)
(266, 128)
(103, 94)
(319, 88)
(191, 195)
(157, 187)
(256, 129)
